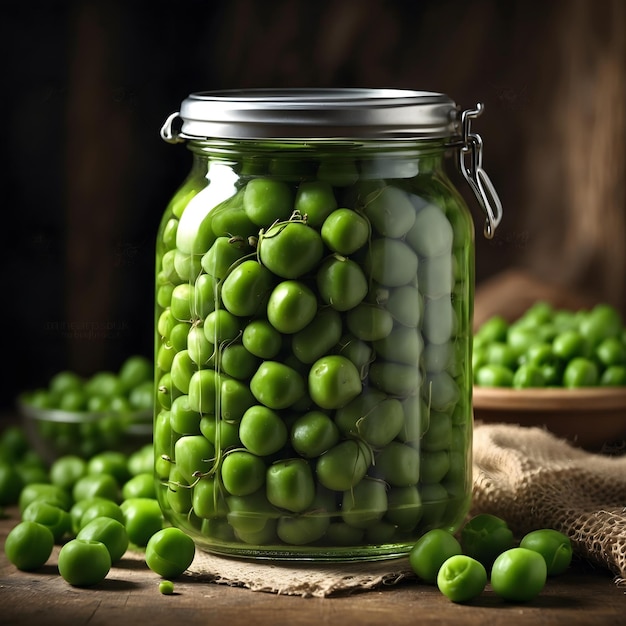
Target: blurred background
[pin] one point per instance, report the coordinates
(86, 177)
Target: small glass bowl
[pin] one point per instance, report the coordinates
(56, 432)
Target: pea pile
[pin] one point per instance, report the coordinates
(485, 550)
(312, 351)
(549, 347)
(109, 410)
(93, 508)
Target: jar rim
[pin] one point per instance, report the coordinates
(317, 113)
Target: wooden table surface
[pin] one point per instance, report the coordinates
(130, 595)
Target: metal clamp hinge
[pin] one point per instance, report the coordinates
(167, 131)
(470, 164)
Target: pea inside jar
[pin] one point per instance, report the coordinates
(340, 278)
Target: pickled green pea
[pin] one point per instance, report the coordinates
(398, 464)
(165, 323)
(246, 289)
(168, 276)
(404, 507)
(179, 493)
(390, 212)
(431, 234)
(221, 326)
(302, 529)
(341, 283)
(262, 431)
(434, 465)
(316, 200)
(194, 234)
(290, 249)
(225, 435)
(376, 418)
(391, 262)
(439, 319)
(230, 218)
(291, 306)
(319, 337)
(182, 369)
(395, 378)
(261, 339)
(443, 391)
(357, 351)
(416, 419)
(182, 300)
(406, 305)
(235, 399)
(333, 382)
(199, 348)
(439, 433)
(344, 465)
(277, 385)
(204, 296)
(369, 322)
(187, 266)
(345, 231)
(178, 336)
(203, 386)
(313, 433)
(290, 485)
(580, 372)
(208, 501)
(237, 362)
(194, 455)
(222, 255)
(242, 473)
(266, 200)
(435, 498)
(401, 345)
(251, 513)
(365, 503)
(166, 392)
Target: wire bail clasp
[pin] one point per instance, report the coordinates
(471, 166)
(168, 133)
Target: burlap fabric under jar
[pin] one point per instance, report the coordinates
(525, 475)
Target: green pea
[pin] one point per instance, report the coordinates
(398, 464)
(182, 370)
(614, 376)
(313, 433)
(140, 485)
(369, 322)
(461, 578)
(401, 345)
(434, 465)
(266, 200)
(179, 494)
(235, 399)
(101, 507)
(569, 344)
(341, 283)
(290, 249)
(316, 200)
(527, 376)
(580, 372)
(333, 382)
(178, 336)
(318, 337)
(182, 300)
(345, 231)
(391, 262)
(224, 435)
(443, 391)
(390, 211)
(96, 485)
(404, 507)
(554, 546)
(53, 517)
(359, 352)
(439, 319)
(261, 339)
(485, 536)
(493, 375)
(431, 234)
(84, 563)
(250, 513)
(187, 266)
(29, 545)
(376, 418)
(194, 455)
(246, 289)
(262, 431)
(291, 306)
(344, 465)
(242, 473)
(364, 504)
(203, 386)
(601, 322)
(208, 500)
(277, 385)
(290, 485)
(199, 348)
(518, 574)
(221, 326)
(611, 351)
(111, 532)
(395, 379)
(230, 218)
(302, 529)
(430, 552)
(238, 362)
(406, 305)
(169, 552)
(416, 419)
(222, 255)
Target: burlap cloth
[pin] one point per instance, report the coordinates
(524, 475)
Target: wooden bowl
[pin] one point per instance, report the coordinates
(593, 418)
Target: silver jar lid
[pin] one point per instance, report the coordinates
(315, 114)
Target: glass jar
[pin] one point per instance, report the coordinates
(314, 295)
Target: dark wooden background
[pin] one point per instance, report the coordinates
(85, 177)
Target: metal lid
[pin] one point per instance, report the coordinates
(315, 114)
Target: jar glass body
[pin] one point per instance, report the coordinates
(313, 349)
